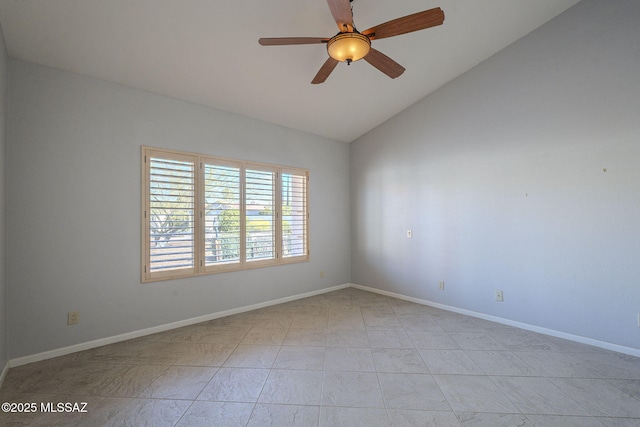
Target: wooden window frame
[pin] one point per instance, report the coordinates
(200, 266)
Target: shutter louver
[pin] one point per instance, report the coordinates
(171, 214)
(259, 215)
(294, 215)
(222, 215)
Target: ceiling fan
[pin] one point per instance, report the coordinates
(350, 45)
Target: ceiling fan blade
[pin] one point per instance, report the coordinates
(407, 24)
(279, 41)
(383, 63)
(341, 11)
(325, 70)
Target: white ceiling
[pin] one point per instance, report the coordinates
(207, 52)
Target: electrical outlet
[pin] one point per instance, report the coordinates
(441, 285)
(322, 274)
(73, 318)
(499, 296)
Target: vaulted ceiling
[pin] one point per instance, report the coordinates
(207, 52)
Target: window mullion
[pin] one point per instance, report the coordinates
(278, 220)
(243, 216)
(199, 209)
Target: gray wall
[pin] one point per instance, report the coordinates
(500, 176)
(73, 208)
(3, 145)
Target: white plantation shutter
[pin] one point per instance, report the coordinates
(260, 206)
(294, 214)
(222, 186)
(171, 214)
(203, 215)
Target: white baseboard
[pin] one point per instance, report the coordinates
(551, 332)
(161, 328)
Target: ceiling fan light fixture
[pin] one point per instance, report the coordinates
(348, 46)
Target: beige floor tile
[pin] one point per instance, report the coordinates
(269, 415)
(309, 358)
(306, 337)
(219, 414)
(351, 389)
(552, 364)
(476, 341)
(449, 362)
(353, 417)
(265, 336)
(349, 359)
(235, 385)
(224, 334)
(207, 354)
(338, 337)
(405, 360)
(309, 321)
(412, 391)
(618, 422)
(179, 382)
(567, 421)
(419, 322)
(407, 418)
(538, 396)
(150, 412)
(119, 381)
(253, 356)
(466, 393)
(292, 387)
(389, 338)
(501, 363)
(600, 397)
(480, 419)
(432, 340)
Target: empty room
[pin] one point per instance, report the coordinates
(320, 213)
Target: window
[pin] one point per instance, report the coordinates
(171, 214)
(222, 215)
(204, 214)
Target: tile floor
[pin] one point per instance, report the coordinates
(345, 358)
